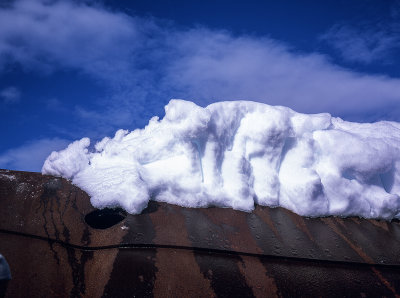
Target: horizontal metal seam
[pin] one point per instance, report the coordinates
(196, 249)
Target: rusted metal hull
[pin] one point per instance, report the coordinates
(170, 251)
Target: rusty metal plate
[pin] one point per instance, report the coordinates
(169, 250)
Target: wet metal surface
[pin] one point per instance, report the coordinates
(170, 251)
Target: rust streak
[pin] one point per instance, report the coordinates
(265, 217)
(360, 252)
(169, 225)
(98, 272)
(173, 267)
(241, 238)
(380, 224)
(257, 278)
(178, 272)
(357, 249)
(300, 224)
(385, 281)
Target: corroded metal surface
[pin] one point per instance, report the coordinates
(172, 251)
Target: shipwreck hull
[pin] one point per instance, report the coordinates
(58, 245)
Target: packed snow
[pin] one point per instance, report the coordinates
(237, 154)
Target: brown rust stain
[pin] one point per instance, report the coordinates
(178, 272)
(266, 217)
(385, 281)
(241, 239)
(98, 271)
(300, 224)
(339, 220)
(36, 273)
(45, 206)
(53, 208)
(169, 225)
(60, 215)
(239, 236)
(257, 277)
(359, 251)
(33, 268)
(380, 224)
(356, 220)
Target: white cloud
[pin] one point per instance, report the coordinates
(10, 95)
(31, 155)
(368, 41)
(47, 35)
(367, 44)
(146, 62)
(218, 66)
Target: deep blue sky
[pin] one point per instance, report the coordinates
(70, 69)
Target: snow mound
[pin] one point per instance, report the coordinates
(237, 154)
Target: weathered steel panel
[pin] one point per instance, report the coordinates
(170, 251)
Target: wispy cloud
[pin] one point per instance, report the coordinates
(375, 40)
(219, 66)
(30, 156)
(147, 61)
(366, 44)
(10, 95)
(48, 35)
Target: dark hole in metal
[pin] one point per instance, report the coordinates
(105, 218)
